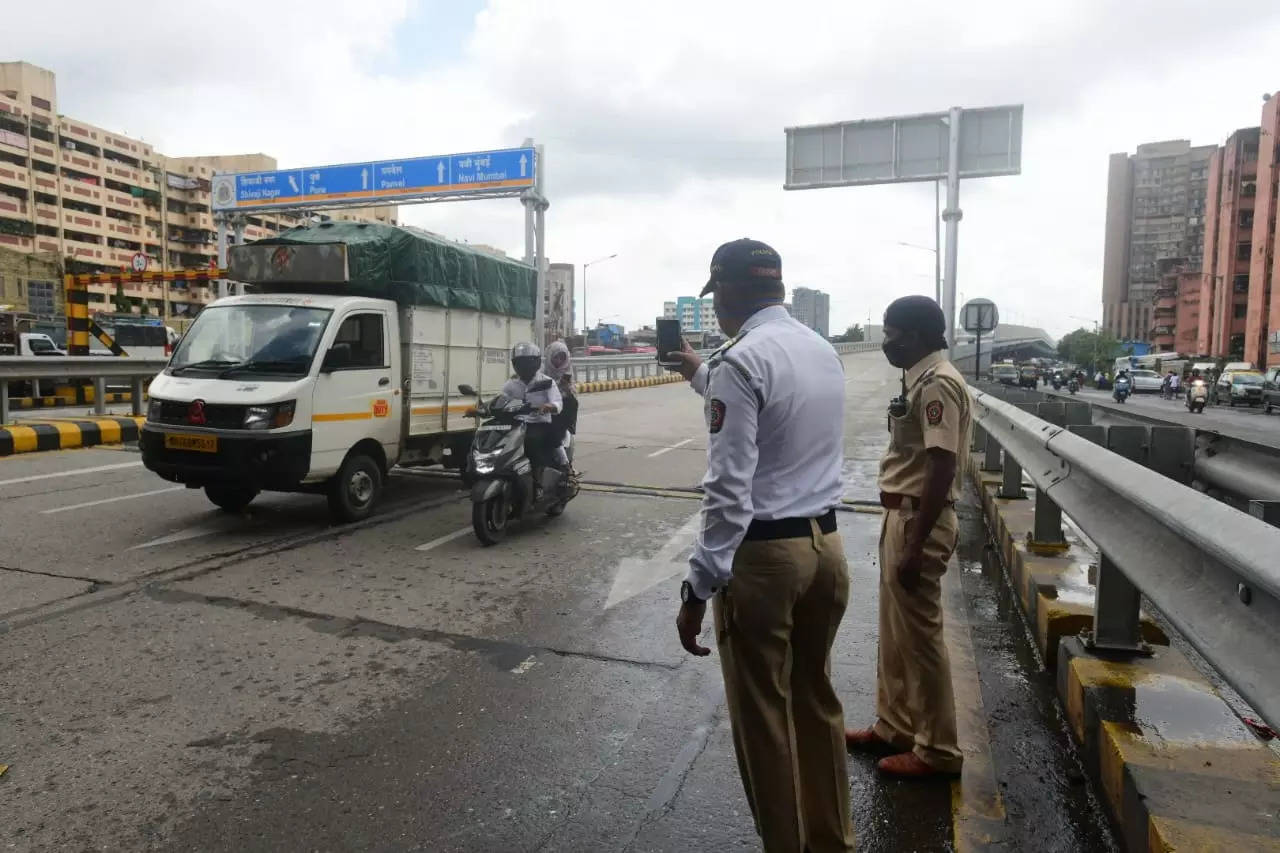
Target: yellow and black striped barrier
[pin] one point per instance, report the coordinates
(66, 433)
(623, 384)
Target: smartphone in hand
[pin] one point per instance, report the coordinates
(669, 341)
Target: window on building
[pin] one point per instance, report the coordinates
(1241, 311)
(1243, 250)
(1240, 284)
(37, 101)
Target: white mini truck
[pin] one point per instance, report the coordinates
(344, 361)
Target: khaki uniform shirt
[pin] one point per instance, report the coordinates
(938, 415)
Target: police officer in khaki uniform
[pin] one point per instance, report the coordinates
(929, 430)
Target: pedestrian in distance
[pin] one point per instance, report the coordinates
(768, 554)
(915, 726)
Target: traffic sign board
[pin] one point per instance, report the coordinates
(979, 316)
(138, 262)
(476, 173)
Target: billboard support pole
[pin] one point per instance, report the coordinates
(937, 242)
(952, 216)
(237, 225)
(221, 220)
(540, 251)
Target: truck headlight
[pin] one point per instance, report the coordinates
(153, 409)
(269, 417)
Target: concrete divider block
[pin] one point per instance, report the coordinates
(1128, 441)
(1095, 433)
(1054, 413)
(1177, 768)
(1171, 452)
(1076, 413)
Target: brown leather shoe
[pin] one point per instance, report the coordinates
(866, 740)
(908, 765)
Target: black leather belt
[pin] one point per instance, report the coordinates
(789, 528)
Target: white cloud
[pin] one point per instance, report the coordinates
(663, 120)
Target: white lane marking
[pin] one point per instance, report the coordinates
(113, 500)
(524, 666)
(671, 448)
(448, 537)
(95, 469)
(602, 411)
(638, 574)
(183, 535)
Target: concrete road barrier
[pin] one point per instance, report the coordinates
(1177, 769)
(67, 433)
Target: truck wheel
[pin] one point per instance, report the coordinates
(230, 498)
(354, 489)
(489, 519)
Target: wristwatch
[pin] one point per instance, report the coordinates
(687, 594)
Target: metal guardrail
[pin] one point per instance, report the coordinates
(1210, 569)
(22, 368)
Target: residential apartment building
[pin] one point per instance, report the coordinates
(695, 314)
(1262, 319)
(93, 199)
(1155, 209)
(1176, 308)
(557, 302)
(1228, 248)
(813, 309)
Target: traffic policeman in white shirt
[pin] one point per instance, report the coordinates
(768, 554)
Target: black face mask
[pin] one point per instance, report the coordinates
(896, 352)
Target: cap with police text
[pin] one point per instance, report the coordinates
(744, 261)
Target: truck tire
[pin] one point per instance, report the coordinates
(231, 499)
(354, 489)
(489, 519)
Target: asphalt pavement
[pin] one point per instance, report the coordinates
(1243, 422)
(177, 678)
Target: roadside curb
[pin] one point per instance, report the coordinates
(1175, 766)
(63, 434)
(624, 384)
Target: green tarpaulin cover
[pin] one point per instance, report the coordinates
(416, 268)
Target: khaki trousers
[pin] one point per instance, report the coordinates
(775, 623)
(914, 700)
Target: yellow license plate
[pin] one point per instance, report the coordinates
(198, 443)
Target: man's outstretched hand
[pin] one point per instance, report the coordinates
(689, 361)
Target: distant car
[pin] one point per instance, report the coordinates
(1271, 390)
(1237, 387)
(1005, 374)
(1146, 381)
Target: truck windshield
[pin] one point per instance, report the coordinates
(39, 345)
(269, 339)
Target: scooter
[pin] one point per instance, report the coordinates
(1073, 385)
(1123, 387)
(1057, 383)
(1197, 396)
(501, 477)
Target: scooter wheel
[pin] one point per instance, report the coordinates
(555, 510)
(489, 519)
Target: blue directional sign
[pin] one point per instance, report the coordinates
(475, 173)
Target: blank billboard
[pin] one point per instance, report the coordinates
(903, 148)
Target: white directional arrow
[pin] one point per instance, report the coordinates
(294, 185)
(440, 172)
(524, 162)
(364, 179)
(638, 574)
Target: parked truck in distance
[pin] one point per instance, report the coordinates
(343, 363)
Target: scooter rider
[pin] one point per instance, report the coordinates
(556, 365)
(526, 360)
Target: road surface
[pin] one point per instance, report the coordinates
(176, 678)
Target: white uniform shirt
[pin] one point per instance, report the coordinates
(775, 415)
(517, 389)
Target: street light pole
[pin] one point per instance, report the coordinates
(586, 325)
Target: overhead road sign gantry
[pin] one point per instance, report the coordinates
(958, 143)
(504, 172)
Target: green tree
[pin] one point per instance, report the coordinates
(121, 301)
(854, 334)
(1093, 350)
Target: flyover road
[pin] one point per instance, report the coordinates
(175, 678)
(1242, 422)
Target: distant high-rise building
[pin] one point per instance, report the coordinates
(1155, 210)
(695, 314)
(557, 301)
(813, 309)
(95, 199)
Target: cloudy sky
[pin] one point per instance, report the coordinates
(662, 120)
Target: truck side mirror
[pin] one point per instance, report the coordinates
(337, 358)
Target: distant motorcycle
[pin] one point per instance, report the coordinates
(1073, 385)
(1197, 396)
(1123, 388)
